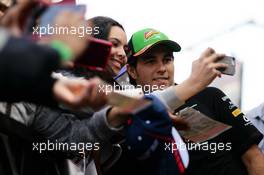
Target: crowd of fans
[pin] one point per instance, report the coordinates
(55, 117)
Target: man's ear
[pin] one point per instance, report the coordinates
(132, 71)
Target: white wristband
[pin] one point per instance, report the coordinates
(169, 98)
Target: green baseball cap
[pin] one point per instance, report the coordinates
(145, 39)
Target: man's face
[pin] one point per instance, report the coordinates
(154, 68)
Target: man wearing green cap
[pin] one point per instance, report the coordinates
(147, 40)
(151, 62)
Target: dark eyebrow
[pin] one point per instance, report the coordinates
(168, 54)
(148, 56)
(117, 40)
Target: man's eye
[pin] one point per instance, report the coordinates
(150, 61)
(126, 49)
(168, 59)
(115, 44)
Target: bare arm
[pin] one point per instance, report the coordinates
(204, 71)
(253, 159)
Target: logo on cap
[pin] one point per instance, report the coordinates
(150, 33)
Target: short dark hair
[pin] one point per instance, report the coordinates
(104, 23)
(132, 63)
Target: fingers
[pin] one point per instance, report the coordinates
(70, 92)
(98, 97)
(215, 57)
(81, 93)
(63, 94)
(117, 116)
(16, 16)
(209, 59)
(76, 42)
(178, 123)
(69, 19)
(217, 67)
(209, 51)
(206, 68)
(68, 65)
(210, 56)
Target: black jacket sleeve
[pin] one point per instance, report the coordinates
(243, 134)
(25, 71)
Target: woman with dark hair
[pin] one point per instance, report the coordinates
(112, 31)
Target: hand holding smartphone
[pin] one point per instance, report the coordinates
(231, 62)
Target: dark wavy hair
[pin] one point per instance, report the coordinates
(104, 25)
